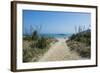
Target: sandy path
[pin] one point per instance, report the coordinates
(59, 51)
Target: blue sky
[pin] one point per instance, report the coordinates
(54, 22)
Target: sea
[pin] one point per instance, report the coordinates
(56, 35)
(53, 35)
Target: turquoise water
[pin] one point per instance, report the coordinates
(53, 35)
(56, 35)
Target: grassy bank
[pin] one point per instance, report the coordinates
(32, 54)
(34, 48)
(81, 43)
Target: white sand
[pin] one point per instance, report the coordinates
(59, 51)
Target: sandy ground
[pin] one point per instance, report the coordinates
(59, 51)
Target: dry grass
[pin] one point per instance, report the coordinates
(32, 53)
(81, 48)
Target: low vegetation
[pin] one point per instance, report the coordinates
(81, 43)
(35, 46)
(33, 54)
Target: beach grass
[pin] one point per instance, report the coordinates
(35, 49)
(81, 43)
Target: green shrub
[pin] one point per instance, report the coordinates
(72, 37)
(86, 52)
(35, 35)
(83, 37)
(42, 43)
(28, 38)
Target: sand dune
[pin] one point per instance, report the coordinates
(59, 51)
